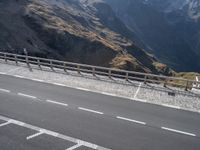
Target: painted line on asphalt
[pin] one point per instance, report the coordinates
(34, 135)
(26, 95)
(3, 73)
(55, 134)
(139, 100)
(90, 110)
(178, 131)
(171, 106)
(94, 91)
(109, 94)
(4, 124)
(59, 84)
(138, 90)
(4, 90)
(74, 147)
(18, 76)
(58, 103)
(83, 89)
(131, 120)
(38, 80)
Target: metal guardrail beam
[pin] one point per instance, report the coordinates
(95, 70)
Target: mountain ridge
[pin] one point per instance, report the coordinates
(73, 31)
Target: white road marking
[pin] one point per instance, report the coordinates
(59, 84)
(4, 90)
(18, 76)
(52, 133)
(38, 80)
(4, 124)
(90, 110)
(74, 147)
(109, 94)
(178, 131)
(3, 73)
(58, 103)
(34, 135)
(139, 100)
(83, 89)
(136, 93)
(171, 106)
(25, 95)
(131, 120)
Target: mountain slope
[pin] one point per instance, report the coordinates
(170, 29)
(72, 30)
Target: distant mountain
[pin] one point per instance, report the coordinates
(74, 30)
(170, 29)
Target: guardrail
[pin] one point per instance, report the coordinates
(96, 70)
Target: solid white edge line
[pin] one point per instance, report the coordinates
(25, 95)
(4, 90)
(34, 135)
(139, 100)
(178, 131)
(171, 106)
(58, 103)
(74, 147)
(3, 73)
(38, 80)
(131, 120)
(90, 110)
(59, 84)
(18, 76)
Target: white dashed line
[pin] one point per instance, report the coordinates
(4, 90)
(131, 120)
(178, 131)
(25, 95)
(90, 110)
(74, 147)
(4, 124)
(136, 93)
(58, 103)
(171, 106)
(18, 76)
(34, 135)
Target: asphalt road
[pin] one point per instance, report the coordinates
(111, 122)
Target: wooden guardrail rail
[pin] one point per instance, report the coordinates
(96, 70)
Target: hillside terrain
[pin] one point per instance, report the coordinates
(170, 29)
(73, 30)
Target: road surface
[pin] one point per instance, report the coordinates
(42, 116)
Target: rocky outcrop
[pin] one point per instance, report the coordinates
(170, 29)
(72, 30)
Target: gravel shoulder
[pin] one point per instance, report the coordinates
(133, 90)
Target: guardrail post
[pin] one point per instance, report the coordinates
(78, 67)
(38, 62)
(64, 66)
(145, 79)
(109, 73)
(93, 71)
(126, 76)
(51, 64)
(187, 84)
(16, 60)
(165, 83)
(5, 57)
